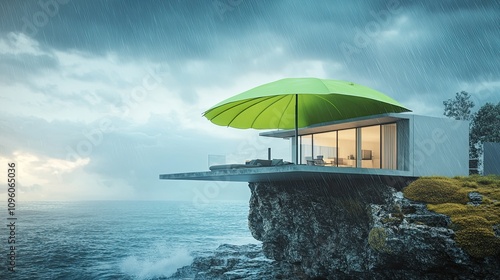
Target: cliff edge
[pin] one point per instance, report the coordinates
(366, 228)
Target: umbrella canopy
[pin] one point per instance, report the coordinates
(300, 102)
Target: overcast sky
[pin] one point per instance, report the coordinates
(100, 97)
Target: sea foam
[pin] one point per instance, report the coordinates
(154, 267)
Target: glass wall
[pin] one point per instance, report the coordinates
(347, 148)
(366, 147)
(370, 146)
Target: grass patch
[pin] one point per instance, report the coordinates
(473, 224)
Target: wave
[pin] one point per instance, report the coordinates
(154, 267)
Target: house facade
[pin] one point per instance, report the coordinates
(408, 144)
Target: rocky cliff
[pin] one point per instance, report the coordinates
(358, 228)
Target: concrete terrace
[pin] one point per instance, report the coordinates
(290, 172)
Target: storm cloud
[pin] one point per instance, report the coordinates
(109, 94)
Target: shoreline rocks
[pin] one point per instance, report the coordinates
(235, 262)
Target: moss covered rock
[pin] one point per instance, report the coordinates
(376, 239)
(474, 223)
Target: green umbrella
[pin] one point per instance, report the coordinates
(300, 102)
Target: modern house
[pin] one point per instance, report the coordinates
(393, 144)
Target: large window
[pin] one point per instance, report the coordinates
(370, 146)
(325, 147)
(347, 148)
(365, 147)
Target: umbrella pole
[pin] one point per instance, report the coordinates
(296, 129)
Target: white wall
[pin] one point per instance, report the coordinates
(439, 146)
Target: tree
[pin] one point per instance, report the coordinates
(460, 107)
(485, 127)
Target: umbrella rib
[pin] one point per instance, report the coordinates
(231, 107)
(289, 102)
(235, 104)
(237, 115)
(262, 111)
(328, 101)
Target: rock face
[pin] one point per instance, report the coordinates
(361, 228)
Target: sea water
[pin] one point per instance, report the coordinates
(118, 239)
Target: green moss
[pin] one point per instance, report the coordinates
(486, 181)
(472, 185)
(464, 222)
(377, 238)
(450, 209)
(435, 190)
(473, 224)
(489, 180)
(478, 242)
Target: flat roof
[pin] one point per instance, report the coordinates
(285, 173)
(339, 125)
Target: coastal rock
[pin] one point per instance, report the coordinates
(246, 262)
(475, 198)
(361, 228)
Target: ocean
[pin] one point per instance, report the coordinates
(118, 239)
